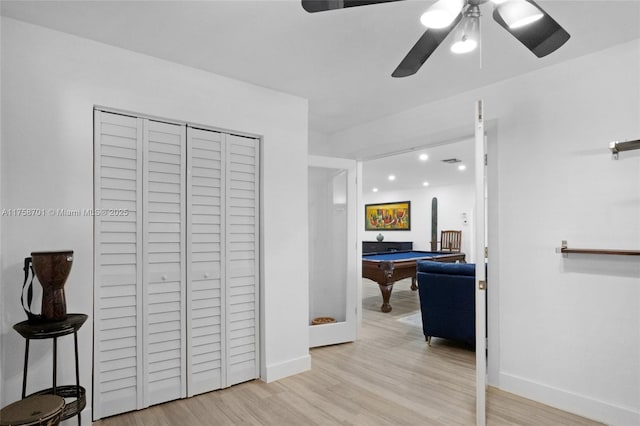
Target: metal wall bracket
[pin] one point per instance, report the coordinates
(562, 248)
(616, 147)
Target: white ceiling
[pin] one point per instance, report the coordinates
(411, 172)
(341, 61)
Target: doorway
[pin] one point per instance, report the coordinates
(439, 181)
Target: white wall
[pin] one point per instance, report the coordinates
(562, 331)
(317, 139)
(50, 82)
(453, 201)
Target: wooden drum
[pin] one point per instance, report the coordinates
(52, 269)
(38, 410)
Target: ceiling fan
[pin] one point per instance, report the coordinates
(523, 19)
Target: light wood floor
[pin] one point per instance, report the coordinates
(388, 377)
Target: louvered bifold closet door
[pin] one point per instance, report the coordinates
(205, 260)
(242, 267)
(117, 375)
(164, 337)
(176, 262)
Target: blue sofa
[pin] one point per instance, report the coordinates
(447, 300)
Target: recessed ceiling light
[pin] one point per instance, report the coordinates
(423, 157)
(375, 189)
(392, 177)
(425, 183)
(462, 167)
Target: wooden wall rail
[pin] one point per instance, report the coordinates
(566, 250)
(617, 146)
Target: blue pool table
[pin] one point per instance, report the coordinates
(389, 267)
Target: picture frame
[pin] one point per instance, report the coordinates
(395, 216)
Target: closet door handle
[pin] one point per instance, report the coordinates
(164, 278)
(206, 275)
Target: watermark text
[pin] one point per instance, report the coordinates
(62, 212)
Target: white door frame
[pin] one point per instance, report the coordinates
(481, 278)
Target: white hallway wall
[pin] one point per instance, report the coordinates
(562, 331)
(453, 201)
(50, 83)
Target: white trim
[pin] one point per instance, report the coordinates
(85, 417)
(258, 254)
(96, 350)
(569, 401)
(480, 294)
(331, 162)
(173, 121)
(359, 228)
(287, 368)
(493, 261)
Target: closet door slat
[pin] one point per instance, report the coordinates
(242, 176)
(118, 378)
(205, 257)
(164, 271)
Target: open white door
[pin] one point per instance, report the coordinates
(333, 250)
(481, 278)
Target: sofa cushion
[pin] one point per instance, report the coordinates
(447, 268)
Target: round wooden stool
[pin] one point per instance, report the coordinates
(39, 410)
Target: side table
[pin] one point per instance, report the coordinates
(53, 330)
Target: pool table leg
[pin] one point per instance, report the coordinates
(386, 295)
(414, 286)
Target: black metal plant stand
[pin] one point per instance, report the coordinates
(53, 330)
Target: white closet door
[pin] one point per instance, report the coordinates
(176, 262)
(205, 260)
(242, 267)
(164, 337)
(117, 375)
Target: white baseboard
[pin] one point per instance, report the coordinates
(85, 417)
(288, 368)
(611, 414)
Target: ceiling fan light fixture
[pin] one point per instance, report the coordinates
(519, 13)
(464, 45)
(467, 36)
(442, 13)
(444, 16)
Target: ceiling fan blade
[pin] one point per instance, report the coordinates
(424, 47)
(542, 37)
(312, 6)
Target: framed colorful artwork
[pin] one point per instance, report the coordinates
(388, 216)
